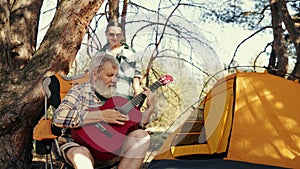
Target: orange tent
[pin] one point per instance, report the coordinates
(249, 119)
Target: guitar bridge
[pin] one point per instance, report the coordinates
(103, 130)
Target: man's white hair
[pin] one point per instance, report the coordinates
(99, 60)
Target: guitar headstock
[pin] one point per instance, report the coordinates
(166, 79)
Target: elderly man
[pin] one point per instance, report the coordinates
(79, 108)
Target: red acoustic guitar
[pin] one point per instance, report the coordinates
(105, 140)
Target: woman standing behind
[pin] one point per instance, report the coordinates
(128, 84)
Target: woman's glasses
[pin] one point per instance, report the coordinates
(118, 35)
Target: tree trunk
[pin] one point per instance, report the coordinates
(113, 13)
(16, 144)
(21, 99)
(272, 62)
(278, 42)
(20, 31)
(294, 34)
(5, 43)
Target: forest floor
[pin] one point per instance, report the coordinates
(157, 138)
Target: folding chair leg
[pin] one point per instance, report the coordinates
(57, 147)
(51, 161)
(46, 161)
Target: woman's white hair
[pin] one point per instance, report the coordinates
(99, 60)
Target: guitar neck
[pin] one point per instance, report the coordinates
(138, 99)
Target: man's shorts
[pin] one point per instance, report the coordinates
(66, 146)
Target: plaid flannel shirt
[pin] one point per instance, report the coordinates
(72, 110)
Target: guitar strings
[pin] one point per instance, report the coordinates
(140, 97)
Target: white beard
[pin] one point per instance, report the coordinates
(106, 91)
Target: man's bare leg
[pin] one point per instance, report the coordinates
(135, 149)
(80, 157)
